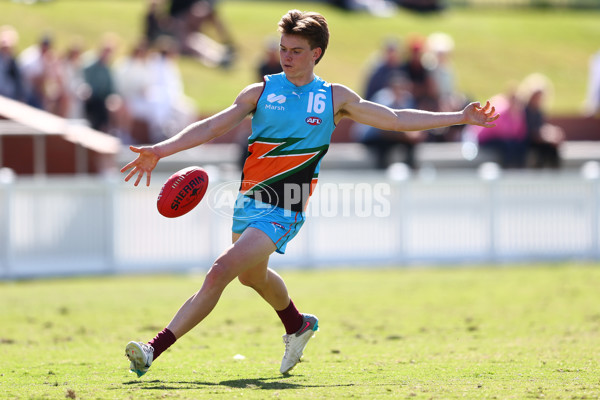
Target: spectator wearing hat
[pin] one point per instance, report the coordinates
(543, 138)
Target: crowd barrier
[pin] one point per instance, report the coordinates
(58, 226)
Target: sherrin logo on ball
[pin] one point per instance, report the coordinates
(182, 192)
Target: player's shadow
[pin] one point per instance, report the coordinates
(274, 383)
(165, 385)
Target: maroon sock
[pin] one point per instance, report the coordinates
(163, 340)
(291, 318)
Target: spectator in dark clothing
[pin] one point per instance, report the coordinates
(156, 23)
(99, 79)
(188, 20)
(396, 95)
(11, 80)
(389, 65)
(178, 8)
(422, 5)
(543, 138)
(423, 85)
(270, 63)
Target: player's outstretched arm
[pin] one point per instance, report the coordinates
(352, 106)
(193, 135)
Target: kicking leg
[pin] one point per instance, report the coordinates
(252, 248)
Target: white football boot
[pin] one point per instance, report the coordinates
(296, 342)
(140, 355)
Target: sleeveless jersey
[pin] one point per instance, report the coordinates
(291, 132)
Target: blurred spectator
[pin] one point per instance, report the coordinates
(101, 86)
(133, 80)
(55, 94)
(155, 23)
(11, 81)
(172, 110)
(270, 63)
(440, 46)
(74, 81)
(438, 60)
(593, 90)
(181, 11)
(188, 20)
(543, 138)
(422, 5)
(381, 143)
(35, 64)
(379, 8)
(423, 86)
(44, 77)
(390, 63)
(508, 139)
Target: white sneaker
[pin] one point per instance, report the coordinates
(296, 342)
(140, 355)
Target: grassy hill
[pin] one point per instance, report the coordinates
(492, 46)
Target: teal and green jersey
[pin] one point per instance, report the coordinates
(291, 132)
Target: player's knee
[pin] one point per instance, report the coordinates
(219, 275)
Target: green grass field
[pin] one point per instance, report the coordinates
(493, 46)
(523, 332)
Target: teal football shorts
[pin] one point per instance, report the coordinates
(279, 224)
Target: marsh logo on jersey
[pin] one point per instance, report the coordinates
(275, 98)
(313, 121)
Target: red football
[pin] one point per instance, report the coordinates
(182, 192)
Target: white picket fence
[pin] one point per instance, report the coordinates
(86, 225)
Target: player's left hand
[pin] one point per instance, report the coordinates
(144, 164)
(475, 114)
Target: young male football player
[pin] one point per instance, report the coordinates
(294, 115)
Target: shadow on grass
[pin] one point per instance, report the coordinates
(276, 383)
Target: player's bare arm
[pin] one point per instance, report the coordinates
(193, 135)
(351, 105)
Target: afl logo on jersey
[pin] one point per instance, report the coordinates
(313, 121)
